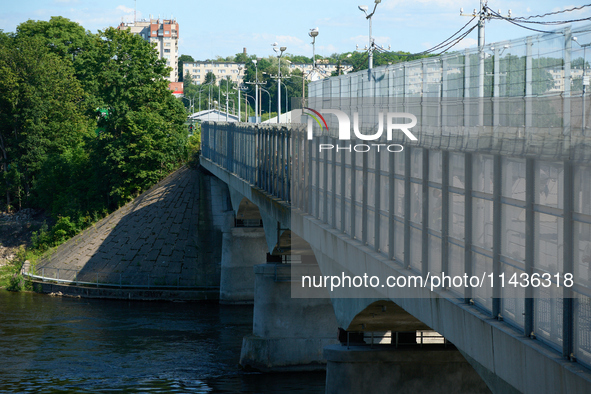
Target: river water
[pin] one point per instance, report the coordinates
(53, 344)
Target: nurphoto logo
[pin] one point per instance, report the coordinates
(345, 129)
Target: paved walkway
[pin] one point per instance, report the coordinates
(152, 240)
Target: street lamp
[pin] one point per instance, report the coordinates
(286, 98)
(313, 33)
(280, 51)
(266, 91)
(247, 107)
(238, 89)
(256, 92)
(202, 86)
(364, 8)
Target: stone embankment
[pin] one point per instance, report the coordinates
(165, 244)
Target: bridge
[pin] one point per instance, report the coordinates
(496, 189)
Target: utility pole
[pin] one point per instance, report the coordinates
(278, 77)
(482, 16)
(256, 90)
(238, 89)
(227, 96)
(481, 63)
(365, 8)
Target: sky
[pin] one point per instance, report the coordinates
(222, 28)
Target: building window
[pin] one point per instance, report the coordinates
(167, 51)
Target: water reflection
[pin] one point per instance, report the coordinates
(78, 345)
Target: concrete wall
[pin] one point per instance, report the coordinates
(215, 217)
(288, 333)
(242, 249)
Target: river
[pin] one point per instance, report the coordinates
(54, 344)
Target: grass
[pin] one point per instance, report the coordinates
(10, 276)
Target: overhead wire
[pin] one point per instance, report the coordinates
(523, 18)
(511, 20)
(448, 43)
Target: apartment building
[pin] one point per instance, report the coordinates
(221, 70)
(324, 68)
(165, 34)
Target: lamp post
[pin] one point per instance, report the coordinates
(239, 111)
(286, 98)
(266, 91)
(303, 77)
(280, 51)
(202, 86)
(364, 8)
(256, 92)
(227, 96)
(247, 108)
(313, 33)
(238, 89)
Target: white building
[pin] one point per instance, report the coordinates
(324, 69)
(165, 34)
(221, 70)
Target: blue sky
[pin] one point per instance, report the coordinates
(212, 28)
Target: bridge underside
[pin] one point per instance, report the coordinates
(500, 354)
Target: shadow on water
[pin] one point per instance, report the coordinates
(54, 344)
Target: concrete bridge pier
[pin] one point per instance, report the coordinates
(406, 369)
(288, 333)
(242, 249)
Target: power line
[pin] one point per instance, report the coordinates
(523, 18)
(448, 43)
(512, 20)
(496, 15)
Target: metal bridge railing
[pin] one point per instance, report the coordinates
(138, 280)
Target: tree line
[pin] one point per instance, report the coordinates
(87, 121)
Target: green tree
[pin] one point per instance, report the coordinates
(183, 59)
(40, 111)
(187, 81)
(209, 78)
(144, 136)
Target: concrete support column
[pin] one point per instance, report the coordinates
(242, 249)
(289, 334)
(406, 369)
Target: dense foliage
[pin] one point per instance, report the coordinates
(57, 150)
